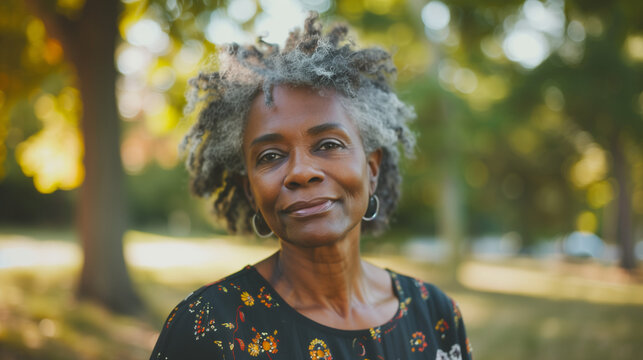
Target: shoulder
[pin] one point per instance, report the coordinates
(440, 310)
(198, 324)
(408, 286)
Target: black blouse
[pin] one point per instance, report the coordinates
(243, 317)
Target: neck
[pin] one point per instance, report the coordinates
(330, 277)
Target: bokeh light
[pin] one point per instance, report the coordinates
(436, 15)
(223, 30)
(528, 47)
(586, 222)
(131, 60)
(242, 10)
(634, 47)
(535, 31)
(591, 167)
(148, 33)
(53, 156)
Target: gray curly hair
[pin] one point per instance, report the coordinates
(221, 102)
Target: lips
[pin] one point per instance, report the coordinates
(308, 208)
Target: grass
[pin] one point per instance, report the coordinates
(41, 319)
(517, 327)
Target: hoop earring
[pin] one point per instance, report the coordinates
(373, 201)
(254, 227)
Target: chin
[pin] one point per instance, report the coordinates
(316, 236)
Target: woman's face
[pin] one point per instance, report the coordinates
(308, 173)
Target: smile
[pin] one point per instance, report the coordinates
(308, 208)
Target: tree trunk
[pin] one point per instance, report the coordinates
(89, 44)
(451, 217)
(451, 220)
(623, 206)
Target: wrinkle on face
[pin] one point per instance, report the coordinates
(299, 132)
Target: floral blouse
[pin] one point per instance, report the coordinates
(243, 317)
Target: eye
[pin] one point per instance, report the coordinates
(330, 145)
(268, 157)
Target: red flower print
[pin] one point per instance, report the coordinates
(265, 298)
(423, 291)
(442, 326)
(203, 322)
(172, 315)
(418, 342)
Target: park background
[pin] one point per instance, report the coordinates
(524, 200)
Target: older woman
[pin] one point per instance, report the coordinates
(302, 143)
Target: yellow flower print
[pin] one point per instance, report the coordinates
(376, 333)
(404, 306)
(253, 349)
(263, 342)
(268, 344)
(319, 351)
(247, 299)
(456, 314)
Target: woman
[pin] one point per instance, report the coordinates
(302, 144)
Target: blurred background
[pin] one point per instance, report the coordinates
(524, 202)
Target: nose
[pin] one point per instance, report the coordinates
(302, 171)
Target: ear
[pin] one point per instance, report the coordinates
(248, 192)
(374, 159)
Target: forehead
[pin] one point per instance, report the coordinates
(295, 109)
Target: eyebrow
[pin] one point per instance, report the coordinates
(267, 138)
(315, 130)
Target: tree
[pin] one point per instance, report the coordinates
(88, 39)
(487, 130)
(598, 91)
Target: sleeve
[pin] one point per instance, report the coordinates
(180, 337)
(460, 332)
(449, 325)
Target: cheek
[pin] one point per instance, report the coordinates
(354, 178)
(264, 190)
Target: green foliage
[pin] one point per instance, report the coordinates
(514, 141)
(157, 195)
